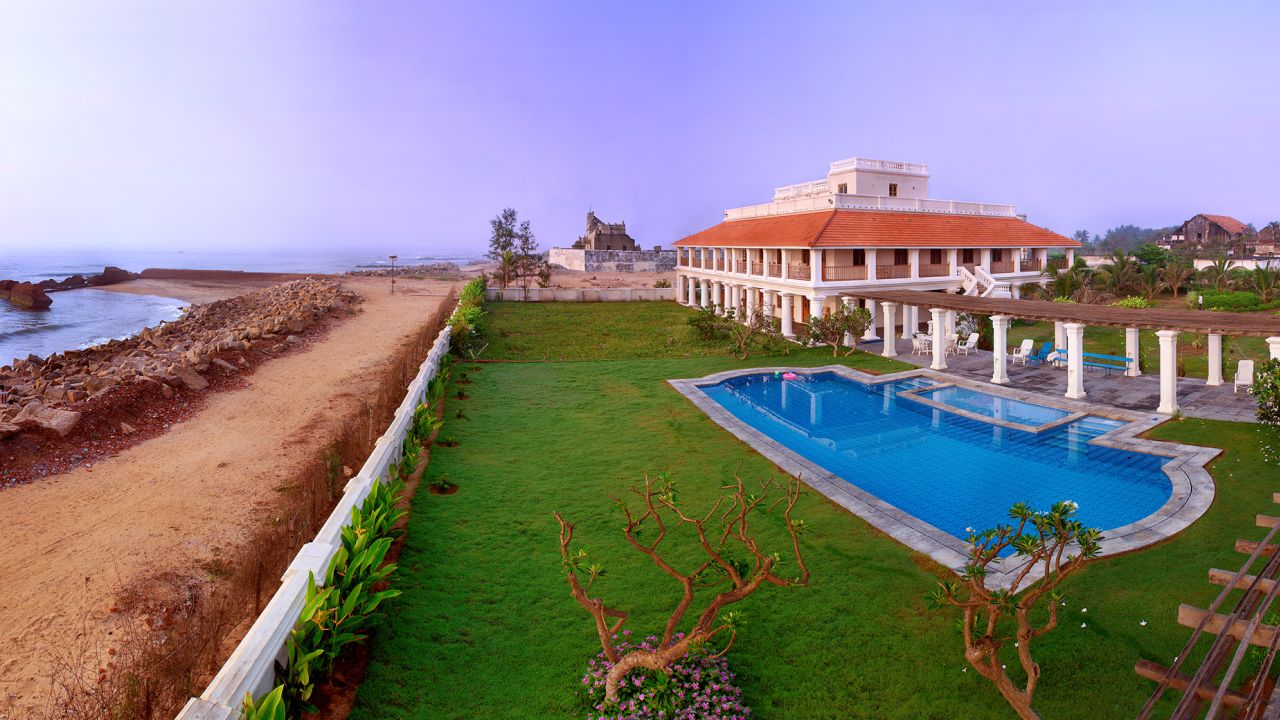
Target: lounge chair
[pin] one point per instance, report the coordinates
(1023, 352)
(952, 341)
(1244, 374)
(969, 344)
(917, 347)
(1045, 354)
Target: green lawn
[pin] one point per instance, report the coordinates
(486, 627)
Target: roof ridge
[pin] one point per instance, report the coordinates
(818, 235)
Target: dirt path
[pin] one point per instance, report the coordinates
(174, 503)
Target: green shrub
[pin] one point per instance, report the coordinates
(1193, 299)
(1231, 300)
(472, 293)
(1134, 302)
(663, 283)
(1266, 389)
(1063, 299)
(706, 325)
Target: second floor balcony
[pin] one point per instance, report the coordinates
(892, 272)
(799, 271)
(844, 272)
(1001, 266)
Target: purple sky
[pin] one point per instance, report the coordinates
(405, 126)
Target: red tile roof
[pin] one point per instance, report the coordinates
(871, 228)
(1230, 224)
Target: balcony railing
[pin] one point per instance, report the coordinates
(799, 271)
(1031, 265)
(892, 272)
(684, 261)
(775, 270)
(844, 272)
(1056, 263)
(935, 270)
(720, 264)
(1003, 266)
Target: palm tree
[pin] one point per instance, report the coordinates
(1065, 282)
(1119, 274)
(1151, 282)
(1175, 274)
(1264, 281)
(1218, 275)
(507, 268)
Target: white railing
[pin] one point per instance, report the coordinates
(846, 201)
(813, 187)
(994, 287)
(856, 163)
(251, 667)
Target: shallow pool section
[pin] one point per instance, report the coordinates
(950, 471)
(995, 406)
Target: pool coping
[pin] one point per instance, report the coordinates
(1192, 487)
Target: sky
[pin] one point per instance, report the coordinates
(405, 126)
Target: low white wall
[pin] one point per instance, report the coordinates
(251, 668)
(580, 294)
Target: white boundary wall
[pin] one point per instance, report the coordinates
(515, 294)
(251, 668)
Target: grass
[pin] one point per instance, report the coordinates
(486, 627)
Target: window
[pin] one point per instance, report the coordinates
(842, 188)
(997, 255)
(859, 257)
(935, 257)
(966, 256)
(893, 189)
(900, 257)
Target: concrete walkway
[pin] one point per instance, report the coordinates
(1142, 393)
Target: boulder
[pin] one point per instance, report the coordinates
(111, 275)
(190, 378)
(26, 295)
(8, 429)
(36, 415)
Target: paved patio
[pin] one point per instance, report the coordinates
(1141, 394)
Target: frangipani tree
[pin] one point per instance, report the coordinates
(1053, 543)
(735, 563)
(833, 327)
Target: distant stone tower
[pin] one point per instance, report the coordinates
(605, 236)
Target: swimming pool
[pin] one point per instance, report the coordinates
(996, 406)
(950, 471)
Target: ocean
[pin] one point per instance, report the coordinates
(81, 318)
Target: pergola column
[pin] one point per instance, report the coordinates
(1168, 371)
(1015, 290)
(999, 351)
(890, 344)
(1059, 335)
(1273, 345)
(1075, 360)
(939, 339)
(951, 322)
(870, 334)
(788, 316)
(1131, 351)
(909, 321)
(1214, 376)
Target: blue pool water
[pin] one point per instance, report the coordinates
(995, 406)
(950, 471)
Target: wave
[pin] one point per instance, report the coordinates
(43, 329)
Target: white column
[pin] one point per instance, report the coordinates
(788, 315)
(686, 289)
(1059, 336)
(751, 301)
(1168, 371)
(890, 344)
(870, 255)
(1075, 360)
(1000, 336)
(706, 293)
(771, 303)
(1071, 257)
(1273, 346)
(913, 256)
(1015, 290)
(951, 323)
(870, 334)
(908, 321)
(815, 266)
(939, 338)
(848, 340)
(1215, 360)
(1132, 351)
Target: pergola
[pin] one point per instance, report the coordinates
(1070, 320)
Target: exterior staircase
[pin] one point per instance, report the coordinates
(981, 283)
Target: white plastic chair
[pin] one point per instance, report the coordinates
(1023, 352)
(969, 344)
(1244, 374)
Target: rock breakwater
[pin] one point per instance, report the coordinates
(38, 394)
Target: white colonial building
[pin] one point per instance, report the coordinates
(870, 223)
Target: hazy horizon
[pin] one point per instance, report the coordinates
(402, 126)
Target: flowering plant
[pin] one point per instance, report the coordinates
(698, 687)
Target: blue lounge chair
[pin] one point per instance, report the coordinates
(1043, 355)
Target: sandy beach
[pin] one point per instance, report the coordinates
(176, 503)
